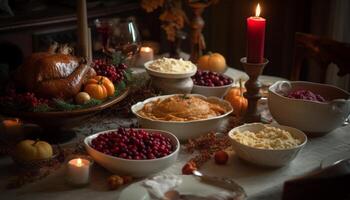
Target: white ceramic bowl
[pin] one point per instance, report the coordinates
(183, 130)
(135, 168)
(171, 83)
(169, 75)
(217, 91)
(315, 118)
(267, 157)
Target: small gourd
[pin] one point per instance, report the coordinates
(29, 150)
(82, 98)
(238, 102)
(99, 87)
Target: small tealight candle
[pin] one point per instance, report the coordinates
(78, 171)
(12, 126)
(146, 54)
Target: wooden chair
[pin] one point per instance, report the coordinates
(323, 51)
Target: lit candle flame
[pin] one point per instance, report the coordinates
(146, 49)
(79, 162)
(257, 11)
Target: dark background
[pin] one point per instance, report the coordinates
(37, 22)
(226, 26)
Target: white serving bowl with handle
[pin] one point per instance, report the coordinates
(187, 129)
(135, 168)
(267, 157)
(315, 118)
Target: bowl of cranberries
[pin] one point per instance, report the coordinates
(135, 152)
(314, 108)
(210, 83)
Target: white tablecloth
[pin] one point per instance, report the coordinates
(259, 183)
(233, 73)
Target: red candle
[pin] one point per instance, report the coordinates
(255, 38)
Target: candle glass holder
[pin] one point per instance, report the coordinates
(11, 130)
(146, 54)
(78, 170)
(254, 70)
(118, 35)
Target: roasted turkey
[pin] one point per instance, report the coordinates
(54, 74)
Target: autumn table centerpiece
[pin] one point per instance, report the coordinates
(55, 88)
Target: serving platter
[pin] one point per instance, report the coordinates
(190, 186)
(56, 125)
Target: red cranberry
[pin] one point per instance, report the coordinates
(133, 144)
(210, 79)
(306, 95)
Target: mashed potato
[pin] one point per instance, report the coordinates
(267, 138)
(171, 65)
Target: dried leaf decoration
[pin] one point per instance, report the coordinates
(151, 5)
(173, 17)
(173, 20)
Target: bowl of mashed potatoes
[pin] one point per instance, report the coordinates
(270, 145)
(171, 68)
(171, 76)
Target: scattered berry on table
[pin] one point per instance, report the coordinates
(189, 167)
(221, 157)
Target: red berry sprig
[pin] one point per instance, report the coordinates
(114, 73)
(27, 99)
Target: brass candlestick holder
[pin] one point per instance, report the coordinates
(254, 70)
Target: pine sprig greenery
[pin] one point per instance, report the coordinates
(69, 106)
(117, 58)
(42, 108)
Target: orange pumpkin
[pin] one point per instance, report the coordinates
(212, 62)
(235, 91)
(99, 87)
(237, 100)
(239, 104)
